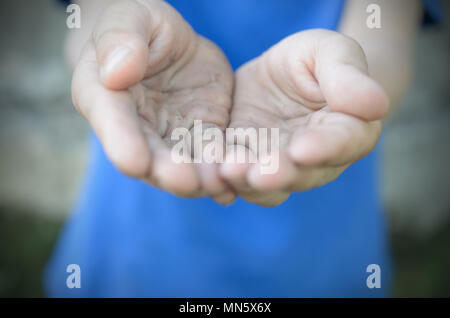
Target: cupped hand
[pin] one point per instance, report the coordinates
(314, 87)
(144, 73)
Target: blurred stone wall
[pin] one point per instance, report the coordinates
(42, 138)
(416, 163)
(43, 141)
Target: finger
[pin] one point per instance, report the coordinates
(342, 73)
(266, 199)
(333, 139)
(225, 198)
(236, 166)
(133, 38)
(211, 181)
(207, 151)
(296, 177)
(333, 70)
(291, 176)
(239, 161)
(241, 151)
(307, 178)
(180, 179)
(177, 176)
(121, 40)
(113, 117)
(278, 177)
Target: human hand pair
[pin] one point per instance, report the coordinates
(145, 72)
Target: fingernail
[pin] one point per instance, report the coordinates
(114, 60)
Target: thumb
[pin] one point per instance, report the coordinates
(342, 73)
(325, 67)
(121, 40)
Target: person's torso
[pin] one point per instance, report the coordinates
(134, 240)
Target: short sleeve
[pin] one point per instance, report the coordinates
(433, 12)
(65, 2)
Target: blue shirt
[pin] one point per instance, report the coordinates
(132, 240)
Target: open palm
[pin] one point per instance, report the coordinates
(143, 75)
(312, 86)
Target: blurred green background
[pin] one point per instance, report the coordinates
(43, 147)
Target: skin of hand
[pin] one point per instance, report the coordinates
(313, 86)
(143, 73)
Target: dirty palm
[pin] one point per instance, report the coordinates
(147, 81)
